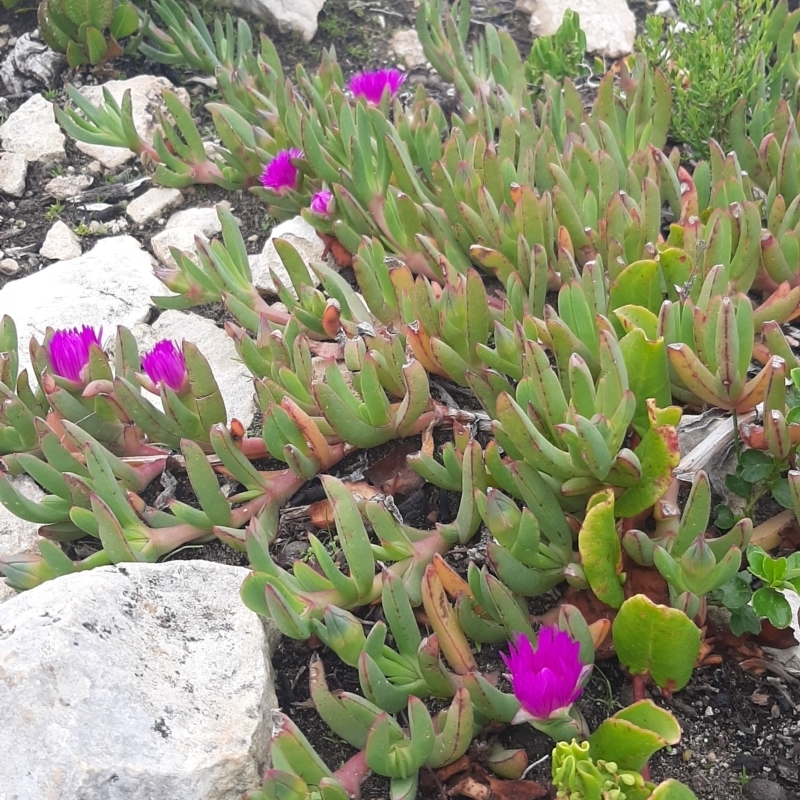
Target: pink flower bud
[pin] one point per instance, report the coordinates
(371, 85)
(69, 351)
(550, 678)
(165, 364)
(280, 174)
(322, 203)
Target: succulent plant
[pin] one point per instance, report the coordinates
(88, 31)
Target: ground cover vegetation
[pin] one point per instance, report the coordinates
(580, 277)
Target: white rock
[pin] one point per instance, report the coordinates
(302, 237)
(609, 25)
(181, 238)
(13, 173)
(288, 15)
(63, 186)
(153, 204)
(18, 537)
(61, 243)
(33, 132)
(145, 99)
(203, 220)
(135, 682)
(109, 286)
(407, 47)
(234, 380)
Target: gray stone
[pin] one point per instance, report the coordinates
(234, 380)
(299, 16)
(63, 186)
(181, 238)
(30, 65)
(145, 99)
(109, 286)
(18, 537)
(609, 25)
(302, 237)
(9, 266)
(760, 789)
(407, 47)
(33, 132)
(154, 203)
(135, 682)
(203, 220)
(13, 173)
(61, 243)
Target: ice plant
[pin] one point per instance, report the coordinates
(69, 351)
(371, 85)
(322, 203)
(547, 679)
(280, 174)
(165, 364)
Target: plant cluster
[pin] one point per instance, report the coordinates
(88, 31)
(723, 55)
(560, 55)
(556, 261)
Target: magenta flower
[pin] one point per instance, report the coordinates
(549, 678)
(322, 203)
(69, 351)
(280, 174)
(371, 85)
(165, 364)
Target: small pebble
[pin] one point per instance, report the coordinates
(11, 205)
(8, 266)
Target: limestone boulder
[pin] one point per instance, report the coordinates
(134, 682)
(109, 285)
